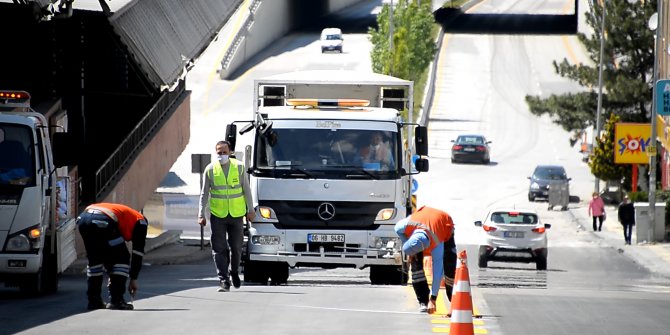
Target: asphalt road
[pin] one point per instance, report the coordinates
(589, 287)
(482, 80)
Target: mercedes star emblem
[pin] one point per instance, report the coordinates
(326, 211)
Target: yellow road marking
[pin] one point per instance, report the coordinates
(566, 38)
(212, 73)
(446, 321)
(446, 330)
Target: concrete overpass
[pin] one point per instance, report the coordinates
(112, 74)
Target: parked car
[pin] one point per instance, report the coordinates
(331, 40)
(542, 176)
(513, 235)
(471, 148)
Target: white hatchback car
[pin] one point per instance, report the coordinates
(513, 235)
(331, 40)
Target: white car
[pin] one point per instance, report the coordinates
(331, 40)
(513, 235)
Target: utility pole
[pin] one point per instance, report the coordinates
(654, 111)
(596, 134)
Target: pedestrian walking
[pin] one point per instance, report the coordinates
(105, 227)
(626, 213)
(429, 232)
(597, 211)
(225, 189)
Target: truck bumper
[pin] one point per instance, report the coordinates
(19, 264)
(359, 249)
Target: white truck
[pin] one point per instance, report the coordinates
(321, 202)
(37, 228)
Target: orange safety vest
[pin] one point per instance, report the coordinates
(125, 216)
(438, 226)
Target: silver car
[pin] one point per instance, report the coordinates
(513, 235)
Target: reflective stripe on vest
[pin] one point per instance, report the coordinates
(413, 225)
(226, 195)
(107, 211)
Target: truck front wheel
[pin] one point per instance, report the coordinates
(256, 272)
(279, 274)
(45, 281)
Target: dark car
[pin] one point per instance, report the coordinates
(471, 148)
(542, 176)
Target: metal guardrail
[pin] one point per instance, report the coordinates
(240, 35)
(126, 152)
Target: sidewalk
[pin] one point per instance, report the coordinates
(655, 256)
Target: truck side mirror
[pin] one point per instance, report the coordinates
(421, 165)
(64, 150)
(421, 141)
(231, 135)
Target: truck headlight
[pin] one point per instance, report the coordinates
(384, 242)
(265, 239)
(18, 243)
(385, 214)
(267, 213)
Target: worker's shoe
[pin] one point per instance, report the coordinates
(236, 279)
(423, 308)
(96, 304)
(224, 286)
(122, 306)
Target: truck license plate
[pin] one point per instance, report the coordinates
(325, 238)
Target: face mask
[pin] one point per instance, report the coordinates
(223, 159)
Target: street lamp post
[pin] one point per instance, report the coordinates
(596, 134)
(654, 25)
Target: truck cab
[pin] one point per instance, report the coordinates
(330, 168)
(36, 230)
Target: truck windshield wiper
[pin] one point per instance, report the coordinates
(292, 168)
(358, 169)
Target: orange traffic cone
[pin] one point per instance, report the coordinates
(461, 301)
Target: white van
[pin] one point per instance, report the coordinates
(331, 40)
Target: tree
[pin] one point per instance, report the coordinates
(413, 44)
(628, 60)
(601, 161)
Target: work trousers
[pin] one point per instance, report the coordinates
(599, 218)
(419, 282)
(227, 239)
(106, 251)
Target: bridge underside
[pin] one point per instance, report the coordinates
(118, 76)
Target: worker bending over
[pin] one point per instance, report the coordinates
(429, 232)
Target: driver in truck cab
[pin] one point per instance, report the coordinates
(376, 155)
(429, 232)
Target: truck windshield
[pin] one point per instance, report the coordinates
(16, 159)
(331, 153)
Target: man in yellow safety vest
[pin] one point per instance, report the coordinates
(225, 188)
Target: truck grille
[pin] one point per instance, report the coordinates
(347, 215)
(316, 247)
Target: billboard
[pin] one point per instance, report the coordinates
(631, 143)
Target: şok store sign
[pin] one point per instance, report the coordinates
(631, 142)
